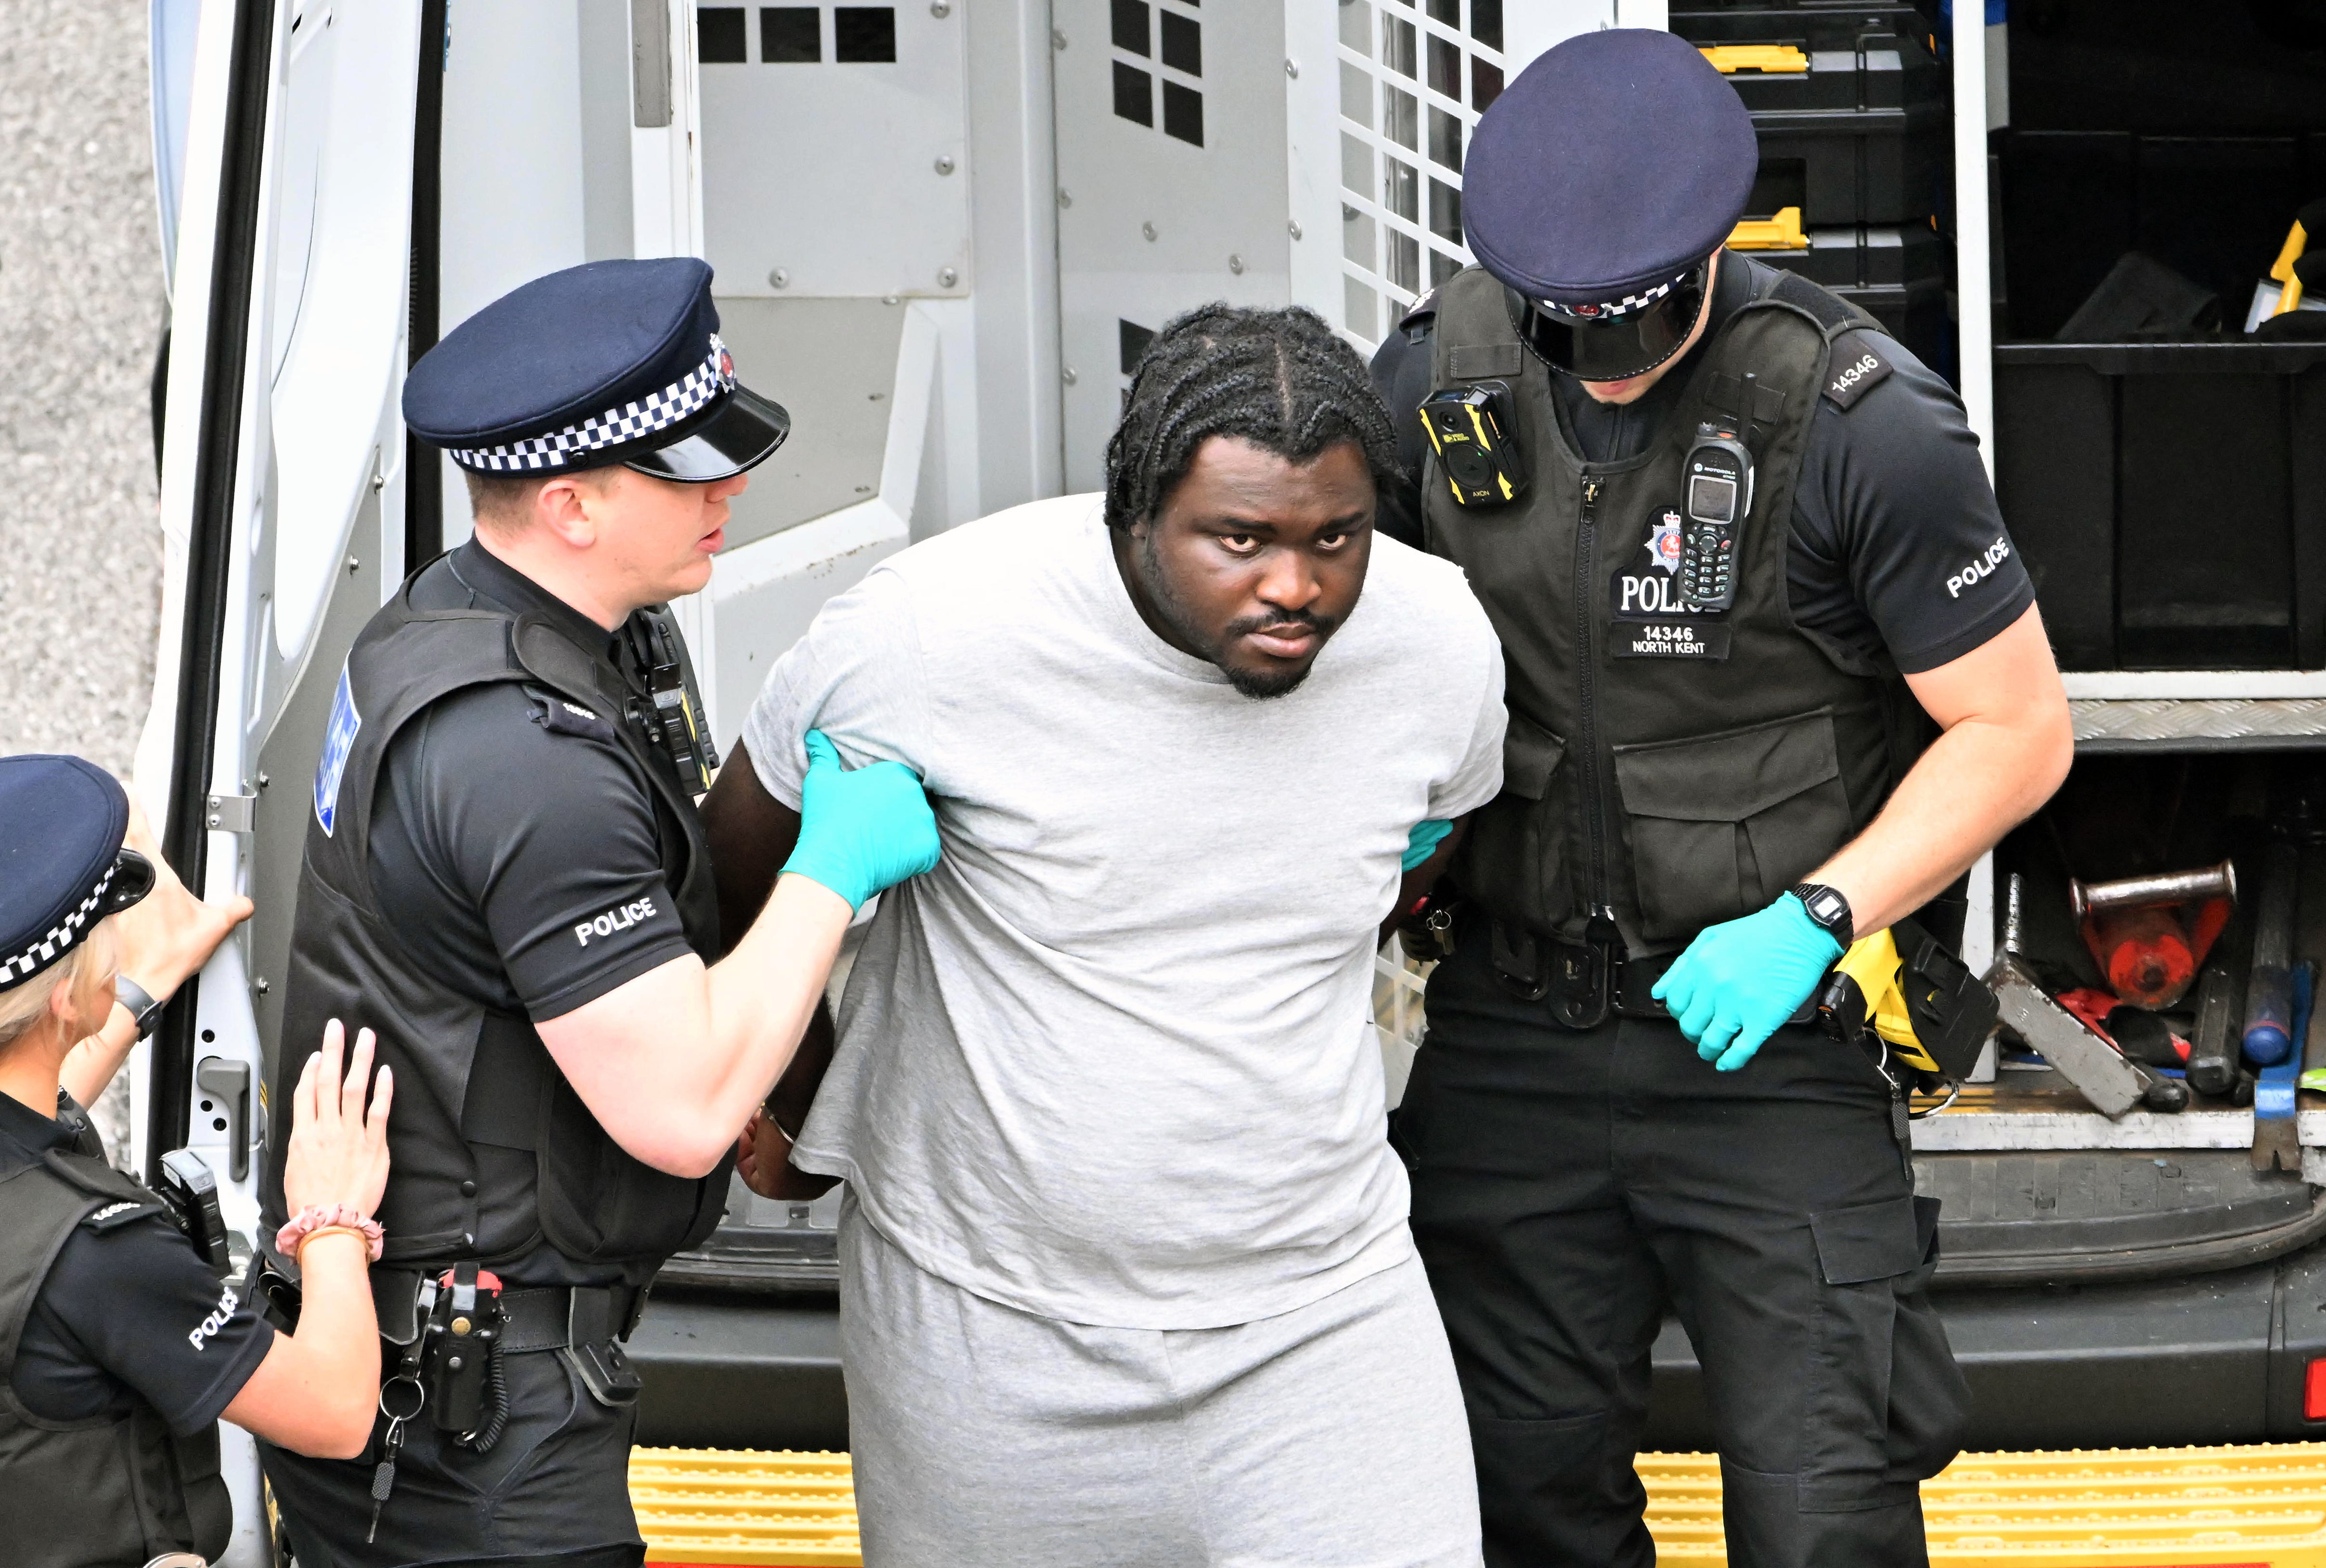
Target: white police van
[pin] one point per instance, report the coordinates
(945, 230)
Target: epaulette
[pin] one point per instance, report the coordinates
(114, 1216)
(1421, 312)
(1855, 368)
(561, 715)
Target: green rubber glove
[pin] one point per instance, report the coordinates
(860, 830)
(1741, 979)
(1426, 837)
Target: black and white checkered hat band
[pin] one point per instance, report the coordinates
(61, 939)
(657, 411)
(1614, 309)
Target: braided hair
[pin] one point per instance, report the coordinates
(1278, 378)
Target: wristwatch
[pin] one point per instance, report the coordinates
(1828, 909)
(142, 1008)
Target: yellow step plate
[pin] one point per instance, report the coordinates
(2263, 1507)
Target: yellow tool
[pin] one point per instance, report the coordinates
(1867, 991)
(1728, 59)
(2297, 241)
(1781, 232)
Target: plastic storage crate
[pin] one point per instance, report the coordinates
(2169, 499)
(1895, 274)
(1850, 108)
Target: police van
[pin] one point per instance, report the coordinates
(943, 231)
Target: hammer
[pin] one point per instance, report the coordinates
(2149, 933)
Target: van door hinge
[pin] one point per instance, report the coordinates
(233, 813)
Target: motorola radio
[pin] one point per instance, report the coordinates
(1719, 497)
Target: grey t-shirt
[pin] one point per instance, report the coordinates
(1112, 1061)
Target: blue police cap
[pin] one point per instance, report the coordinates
(608, 362)
(1612, 166)
(62, 868)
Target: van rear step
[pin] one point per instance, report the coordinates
(2258, 1506)
(2262, 1506)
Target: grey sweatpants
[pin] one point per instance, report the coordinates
(1331, 1437)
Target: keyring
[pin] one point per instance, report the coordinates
(418, 1402)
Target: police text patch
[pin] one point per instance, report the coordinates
(1853, 371)
(1696, 639)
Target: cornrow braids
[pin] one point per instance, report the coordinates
(1278, 378)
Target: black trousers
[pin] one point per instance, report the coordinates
(553, 1493)
(1569, 1186)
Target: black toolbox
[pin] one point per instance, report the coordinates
(2169, 499)
(1895, 274)
(1850, 106)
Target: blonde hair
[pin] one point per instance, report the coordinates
(23, 1006)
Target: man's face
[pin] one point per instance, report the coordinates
(1631, 388)
(659, 534)
(1252, 561)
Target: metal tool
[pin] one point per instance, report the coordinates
(2150, 934)
(2269, 990)
(2100, 1072)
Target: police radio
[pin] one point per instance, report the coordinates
(1471, 430)
(675, 725)
(1719, 497)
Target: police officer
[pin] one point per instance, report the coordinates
(120, 1347)
(506, 878)
(1747, 527)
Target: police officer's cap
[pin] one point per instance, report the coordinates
(62, 866)
(611, 361)
(1599, 182)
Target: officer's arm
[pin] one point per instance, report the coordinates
(673, 1063)
(2006, 748)
(1418, 881)
(751, 835)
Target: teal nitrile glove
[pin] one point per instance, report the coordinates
(863, 829)
(1425, 839)
(1741, 979)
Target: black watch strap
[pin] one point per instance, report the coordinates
(1828, 909)
(141, 1005)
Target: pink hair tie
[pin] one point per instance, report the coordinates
(318, 1216)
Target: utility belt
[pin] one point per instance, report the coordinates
(1585, 981)
(443, 1337)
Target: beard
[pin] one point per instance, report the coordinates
(1256, 684)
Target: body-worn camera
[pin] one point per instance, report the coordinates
(1470, 428)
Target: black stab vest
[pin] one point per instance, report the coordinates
(110, 1492)
(1664, 793)
(492, 1152)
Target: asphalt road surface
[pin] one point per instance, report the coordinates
(81, 308)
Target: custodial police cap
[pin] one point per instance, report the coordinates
(611, 361)
(62, 866)
(1596, 186)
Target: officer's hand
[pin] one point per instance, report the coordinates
(1740, 980)
(168, 934)
(860, 830)
(338, 1153)
(1423, 841)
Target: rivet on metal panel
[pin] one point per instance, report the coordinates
(1235, 265)
(259, 984)
(1148, 229)
(354, 564)
(1065, 197)
(379, 482)
(1292, 69)
(939, 9)
(779, 278)
(1070, 377)
(887, 299)
(1057, 38)
(945, 163)
(947, 277)
(1293, 229)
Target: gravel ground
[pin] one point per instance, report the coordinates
(81, 308)
(81, 317)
